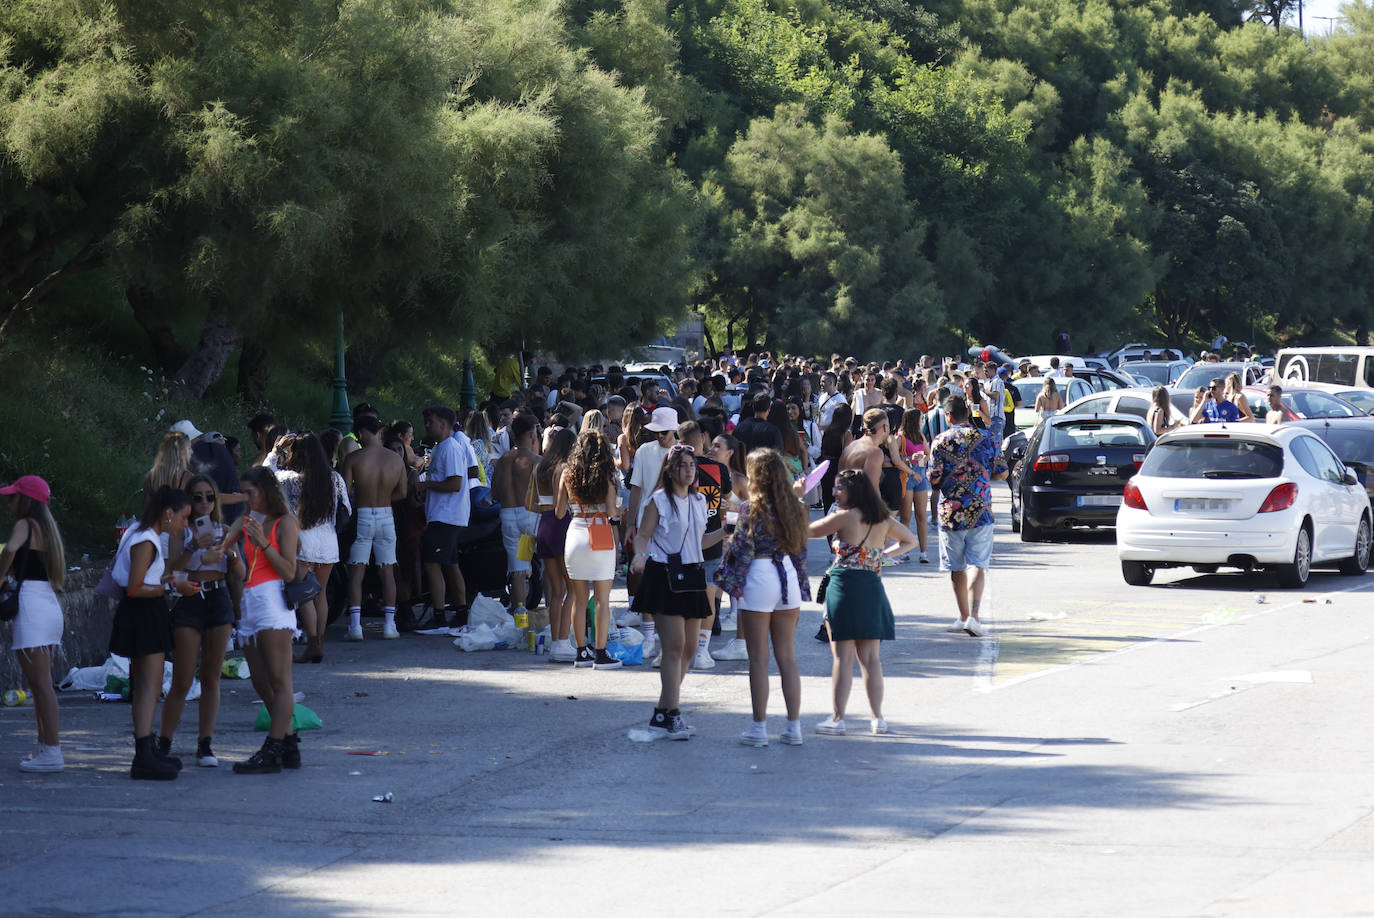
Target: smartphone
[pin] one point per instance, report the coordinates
(260, 517)
(204, 526)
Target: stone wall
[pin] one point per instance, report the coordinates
(85, 630)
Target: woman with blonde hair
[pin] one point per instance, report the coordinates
(593, 420)
(171, 465)
(764, 571)
(1049, 402)
(1235, 393)
(34, 555)
(587, 489)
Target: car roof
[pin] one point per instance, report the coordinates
(1150, 363)
(1279, 434)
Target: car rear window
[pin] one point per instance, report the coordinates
(1214, 458)
(1095, 433)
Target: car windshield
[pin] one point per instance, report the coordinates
(1213, 457)
(1309, 403)
(1095, 434)
(1200, 374)
(1360, 398)
(1157, 373)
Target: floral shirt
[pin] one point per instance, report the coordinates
(745, 547)
(959, 462)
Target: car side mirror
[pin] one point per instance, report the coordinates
(1349, 477)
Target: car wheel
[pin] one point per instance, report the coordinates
(1295, 575)
(1015, 513)
(1029, 531)
(1206, 568)
(1358, 563)
(1137, 573)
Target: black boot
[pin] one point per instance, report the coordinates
(147, 766)
(266, 761)
(291, 751)
(162, 748)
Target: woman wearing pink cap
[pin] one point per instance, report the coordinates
(36, 545)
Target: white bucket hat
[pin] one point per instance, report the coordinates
(663, 419)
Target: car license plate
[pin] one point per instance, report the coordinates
(1099, 500)
(1200, 504)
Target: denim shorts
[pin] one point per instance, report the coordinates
(917, 481)
(961, 548)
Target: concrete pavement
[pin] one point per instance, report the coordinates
(1173, 750)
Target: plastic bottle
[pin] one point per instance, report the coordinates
(16, 697)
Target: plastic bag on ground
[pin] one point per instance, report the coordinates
(93, 678)
(234, 668)
(302, 718)
(630, 656)
(507, 634)
(630, 637)
(475, 637)
(487, 611)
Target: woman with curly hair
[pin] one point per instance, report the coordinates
(314, 493)
(588, 488)
(764, 571)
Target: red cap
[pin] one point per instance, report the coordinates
(30, 486)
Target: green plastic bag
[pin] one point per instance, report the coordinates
(302, 718)
(118, 684)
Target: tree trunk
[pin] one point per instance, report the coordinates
(254, 369)
(710, 342)
(170, 356)
(207, 362)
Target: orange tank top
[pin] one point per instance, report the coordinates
(260, 570)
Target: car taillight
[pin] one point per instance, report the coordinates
(1132, 498)
(1054, 462)
(1138, 459)
(1281, 498)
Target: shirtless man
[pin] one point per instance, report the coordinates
(866, 453)
(511, 485)
(375, 478)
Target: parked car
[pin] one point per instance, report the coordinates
(1247, 496)
(1352, 441)
(1200, 374)
(1306, 403)
(1072, 470)
(1158, 372)
(1029, 390)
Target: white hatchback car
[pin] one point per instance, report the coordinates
(1242, 495)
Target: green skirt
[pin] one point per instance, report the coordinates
(856, 606)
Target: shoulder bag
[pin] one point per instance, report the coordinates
(9, 590)
(685, 576)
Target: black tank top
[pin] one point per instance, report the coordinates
(35, 566)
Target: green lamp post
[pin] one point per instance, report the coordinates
(339, 415)
(468, 394)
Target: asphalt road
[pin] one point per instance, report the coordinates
(1198, 747)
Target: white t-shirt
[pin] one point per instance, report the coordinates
(648, 466)
(450, 458)
(681, 526)
(996, 396)
(123, 561)
(828, 405)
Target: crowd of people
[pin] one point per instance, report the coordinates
(689, 484)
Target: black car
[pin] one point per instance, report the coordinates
(1352, 440)
(1072, 470)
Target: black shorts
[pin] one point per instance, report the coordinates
(142, 626)
(203, 612)
(890, 488)
(439, 544)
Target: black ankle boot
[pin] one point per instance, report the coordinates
(147, 766)
(291, 751)
(162, 748)
(266, 761)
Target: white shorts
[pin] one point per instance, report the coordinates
(264, 609)
(319, 544)
(376, 537)
(515, 522)
(763, 588)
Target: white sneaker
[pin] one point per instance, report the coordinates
(830, 727)
(877, 726)
(563, 651)
(657, 662)
(957, 627)
(48, 761)
(973, 627)
(389, 632)
(792, 735)
(729, 620)
(703, 660)
(653, 647)
(355, 633)
(904, 559)
(756, 735)
(629, 619)
(924, 559)
(735, 650)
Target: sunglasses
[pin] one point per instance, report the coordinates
(203, 497)
(678, 447)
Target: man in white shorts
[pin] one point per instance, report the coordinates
(375, 477)
(511, 485)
